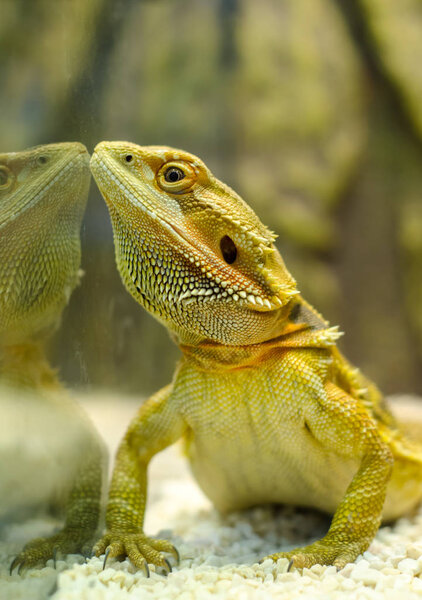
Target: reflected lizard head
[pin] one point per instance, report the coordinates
(43, 192)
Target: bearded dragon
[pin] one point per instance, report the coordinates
(269, 409)
(43, 193)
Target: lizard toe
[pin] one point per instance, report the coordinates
(323, 552)
(165, 546)
(39, 550)
(101, 546)
(140, 550)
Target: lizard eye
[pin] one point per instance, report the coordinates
(128, 158)
(42, 160)
(176, 177)
(174, 174)
(5, 179)
(228, 249)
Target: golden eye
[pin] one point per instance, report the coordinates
(174, 174)
(228, 249)
(176, 177)
(5, 178)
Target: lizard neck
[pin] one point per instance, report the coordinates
(212, 356)
(293, 328)
(25, 365)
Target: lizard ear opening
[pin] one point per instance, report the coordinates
(228, 249)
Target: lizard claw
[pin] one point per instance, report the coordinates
(106, 555)
(145, 569)
(174, 551)
(168, 565)
(13, 564)
(19, 562)
(290, 565)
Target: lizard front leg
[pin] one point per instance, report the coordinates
(341, 424)
(156, 426)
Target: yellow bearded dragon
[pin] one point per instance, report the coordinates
(269, 409)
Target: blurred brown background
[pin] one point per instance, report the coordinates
(311, 109)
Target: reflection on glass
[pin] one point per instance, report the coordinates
(49, 452)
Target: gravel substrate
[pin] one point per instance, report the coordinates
(218, 554)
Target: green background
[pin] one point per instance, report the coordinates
(311, 109)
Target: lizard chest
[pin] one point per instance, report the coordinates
(248, 442)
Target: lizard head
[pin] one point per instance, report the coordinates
(188, 248)
(43, 191)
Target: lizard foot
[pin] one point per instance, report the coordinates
(69, 540)
(139, 548)
(323, 552)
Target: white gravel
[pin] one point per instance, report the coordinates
(218, 554)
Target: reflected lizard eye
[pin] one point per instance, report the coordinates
(42, 160)
(228, 249)
(174, 174)
(5, 178)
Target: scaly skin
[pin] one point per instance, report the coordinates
(43, 193)
(269, 409)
